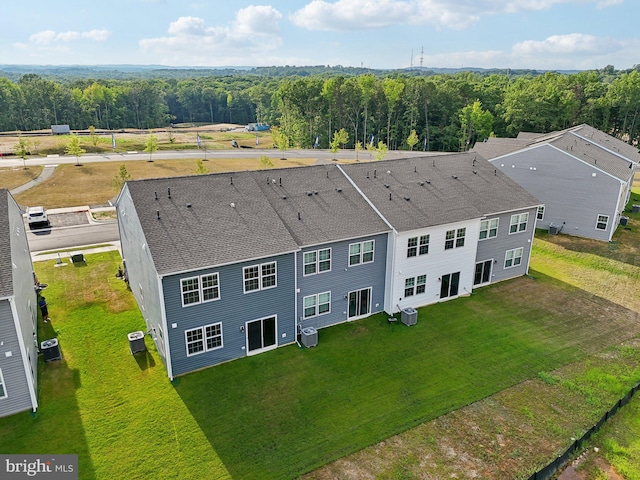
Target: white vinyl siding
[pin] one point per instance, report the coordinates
(203, 339)
(260, 277)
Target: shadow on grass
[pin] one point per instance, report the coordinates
(286, 412)
(144, 360)
(56, 428)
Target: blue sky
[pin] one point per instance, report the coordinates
(538, 34)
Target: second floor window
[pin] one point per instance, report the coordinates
(488, 228)
(518, 223)
(317, 261)
(361, 252)
(454, 238)
(260, 277)
(204, 288)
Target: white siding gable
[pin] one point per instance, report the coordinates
(434, 265)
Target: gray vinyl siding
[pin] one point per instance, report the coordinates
(495, 248)
(25, 302)
(233, 309)
(143, 278)
(343, 279)
(18, 398)
(573, 198)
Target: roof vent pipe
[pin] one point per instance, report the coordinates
(156, 194)
(495, 173)
(389, 196)
(415, 169)
(299, 218)
(375, 173)
(280, 181)
(158, 214)
(231, 180)
(169, 192)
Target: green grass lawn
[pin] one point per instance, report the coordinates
(288, 411)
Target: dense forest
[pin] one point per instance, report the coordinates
(447, 111)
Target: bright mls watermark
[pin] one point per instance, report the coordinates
(53, 467)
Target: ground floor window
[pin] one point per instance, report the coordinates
(315, 305)
(261, 335)
(483, 272)
(415, 285)
(449, 285)
(513, 258)
(203, 339)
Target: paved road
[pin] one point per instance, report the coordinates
(321, 155)
(55, 238)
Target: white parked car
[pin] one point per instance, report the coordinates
(37, 216)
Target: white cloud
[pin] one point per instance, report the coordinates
(245, 40)
(48, 37)
(570, 44)
(368, 14)
(609, 3)
(565, 52)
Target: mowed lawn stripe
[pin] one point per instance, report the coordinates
(288, 411)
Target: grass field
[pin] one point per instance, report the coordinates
(288, 411)
(93, 183)
(213, 137)
(14, 177)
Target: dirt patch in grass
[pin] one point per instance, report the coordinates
(14, 177)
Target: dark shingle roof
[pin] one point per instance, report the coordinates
(330, 207)
(6, 271)
(228, 221)
(421, 192)
(584, 142)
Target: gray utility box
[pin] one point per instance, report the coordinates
(50, 350)
(136, 342)
(409, 316)
(554, 229)
(309, 337)
(624, 220)
(635, 208)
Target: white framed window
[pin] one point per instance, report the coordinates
(513, 258)
(202, 289)
(424, 245)
(260, 277)
(415, 285)
(315, 305)
(489, 228)
(361, 252)
(418, 246)
(603, 222)
(518, 223)
(190, 290)
(210, 287)
(540, 213)
(412, 247)
(409, 286)
(3, 388)
(454, 238)
(317, 261)
(203, 339)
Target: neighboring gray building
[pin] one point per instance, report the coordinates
(582, 175)
(18, 313)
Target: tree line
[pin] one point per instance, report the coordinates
(445, 112)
